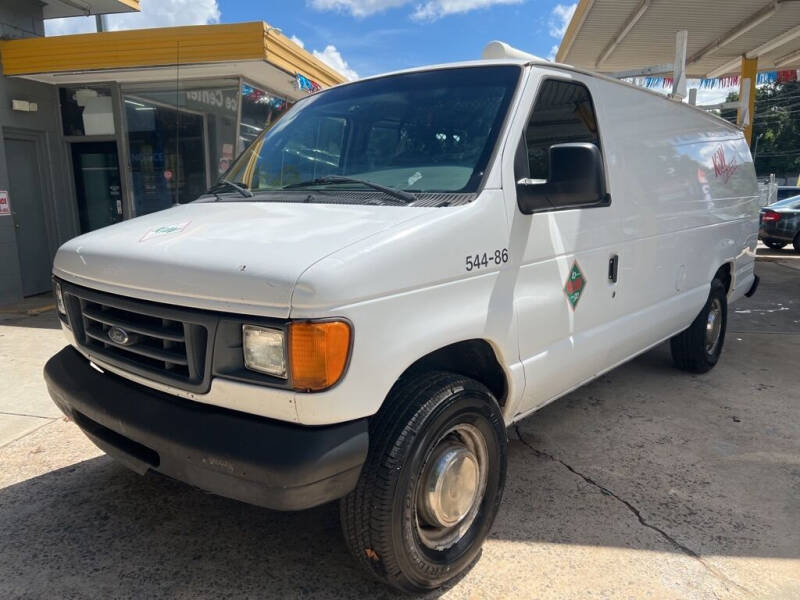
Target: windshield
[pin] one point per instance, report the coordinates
(431, 131)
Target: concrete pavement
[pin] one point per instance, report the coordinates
(24, 342)
(646, 483)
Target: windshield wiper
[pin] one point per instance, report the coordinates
(406, 197)
(223, 183)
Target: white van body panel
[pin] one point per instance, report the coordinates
(230, 256)
(417, 297)
(672, 222)
(398, 274)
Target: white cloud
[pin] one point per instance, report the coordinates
(435, 9)
(333, 58)
(715, 96)
(560, 17)
(357, 8)
(551, 56)
(155, 13)
(704, 95)
(69, 26)
(428, 10)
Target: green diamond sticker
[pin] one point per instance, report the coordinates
(575, 285)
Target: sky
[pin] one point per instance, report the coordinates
(365, 37)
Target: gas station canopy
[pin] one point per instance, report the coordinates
(56, 9)
(618, 35)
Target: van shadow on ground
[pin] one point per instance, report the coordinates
(709, 472)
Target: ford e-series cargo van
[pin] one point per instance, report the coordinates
(395, 272)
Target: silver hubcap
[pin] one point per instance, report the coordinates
(713, 326)
(452, 486)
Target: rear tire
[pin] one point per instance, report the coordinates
(437, 455)
(697, 349)
(796, 243)
(774, 245)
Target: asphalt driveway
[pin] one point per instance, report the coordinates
(646, 483)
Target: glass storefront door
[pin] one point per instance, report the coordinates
(97, 184)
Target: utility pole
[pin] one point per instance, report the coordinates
(755, 150)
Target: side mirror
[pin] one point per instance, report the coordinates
(576, 179)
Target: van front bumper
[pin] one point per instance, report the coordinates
(249, 458)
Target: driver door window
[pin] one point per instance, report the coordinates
(563, 114)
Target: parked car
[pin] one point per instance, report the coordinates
(480, 239)
(779, 224)
(787, 191)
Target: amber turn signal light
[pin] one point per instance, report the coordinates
(318, 353)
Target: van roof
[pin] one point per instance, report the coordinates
(524, 62)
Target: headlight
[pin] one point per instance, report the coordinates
(264, 350)
(62, 308)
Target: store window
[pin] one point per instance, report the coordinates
(87, 110)
(259, 111)
(179, 139)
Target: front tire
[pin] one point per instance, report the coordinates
(697, 349)
(432, 483)
(796, 243)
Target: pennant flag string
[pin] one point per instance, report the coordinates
(719, 82)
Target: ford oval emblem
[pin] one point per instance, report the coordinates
(118, 335)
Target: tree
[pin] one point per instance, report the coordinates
(776, 126)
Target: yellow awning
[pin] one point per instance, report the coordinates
(248, 49)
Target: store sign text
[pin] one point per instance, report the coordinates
(215, 98)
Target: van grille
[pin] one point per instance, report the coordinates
(153, 340)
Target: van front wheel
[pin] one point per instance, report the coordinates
(697, 349)
(432, 483)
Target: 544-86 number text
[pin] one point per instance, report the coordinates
(482, 261)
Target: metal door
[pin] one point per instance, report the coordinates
(27, 206)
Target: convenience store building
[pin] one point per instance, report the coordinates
(96, 128)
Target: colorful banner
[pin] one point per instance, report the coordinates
(306, 84)
(262, 97)
(719, 82)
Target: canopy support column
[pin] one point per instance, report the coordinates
(747, 96)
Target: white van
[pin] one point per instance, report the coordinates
(389, 277)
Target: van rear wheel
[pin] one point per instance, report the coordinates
(697, 349)
(432, 483)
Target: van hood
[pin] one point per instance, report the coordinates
(230, 256)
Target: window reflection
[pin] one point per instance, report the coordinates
(259, 110)
(180, 139)
(167, 161)
(87, 110)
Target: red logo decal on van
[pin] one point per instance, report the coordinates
(723, 168)
(575, 285)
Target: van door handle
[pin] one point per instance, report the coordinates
(613, 268)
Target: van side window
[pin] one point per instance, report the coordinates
(563, 114)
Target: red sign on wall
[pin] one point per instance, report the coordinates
(5, 207)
